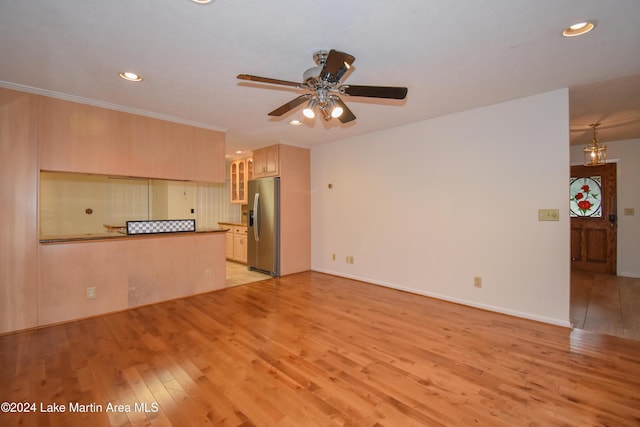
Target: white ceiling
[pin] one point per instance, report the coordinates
(452, 56)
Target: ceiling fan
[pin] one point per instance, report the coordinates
(323, 83)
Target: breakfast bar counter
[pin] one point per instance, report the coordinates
(89, 237)
(84, 276)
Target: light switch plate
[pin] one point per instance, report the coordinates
(629, 211)
(548, 215)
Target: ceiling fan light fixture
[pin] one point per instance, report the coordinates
(578, 29)
(596, 153)
(324, 82)
(336, 109)
(326, 114)
(308, 111)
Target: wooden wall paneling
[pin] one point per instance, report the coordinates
(209, 152)
(84, 138)
(18, 210)
(80, 138)
(127, 273)
(43, 133)
(295, 214)
(149, 148)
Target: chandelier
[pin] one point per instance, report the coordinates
(596, 153)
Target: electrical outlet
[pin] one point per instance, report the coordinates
(207, 273)
(91, 292)
(477, 282)
(333, 257)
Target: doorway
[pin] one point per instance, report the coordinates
(601, 301)
(593, 213)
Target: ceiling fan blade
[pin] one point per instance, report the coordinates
(390, 92)
(290, 105)
(336, 64)
(269, 80)
(347, 115)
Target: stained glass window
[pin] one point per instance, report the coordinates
(586, 197)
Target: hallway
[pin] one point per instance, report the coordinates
(606, 304)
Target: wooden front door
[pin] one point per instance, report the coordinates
(593, 218)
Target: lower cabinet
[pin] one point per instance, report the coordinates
(236, 242)
(230, 244)
(240, 244)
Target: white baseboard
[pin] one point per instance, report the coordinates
(631, 275)
(502, 310)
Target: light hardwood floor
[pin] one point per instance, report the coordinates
(606, 304)
(316, 350)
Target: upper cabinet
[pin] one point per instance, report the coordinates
(83, 138)
(240, 172)
(249, 166)
(266, 162)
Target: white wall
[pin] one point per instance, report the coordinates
(427, 206)
(626, 155)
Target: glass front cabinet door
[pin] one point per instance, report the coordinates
(240, 173)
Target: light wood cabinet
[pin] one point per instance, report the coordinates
(249, 167)
(240, 172)
(229, 243)
(83, 138)
(236, 248)
(266, 162)
(240, 244)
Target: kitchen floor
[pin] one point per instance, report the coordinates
(606, 304)
(239, 274)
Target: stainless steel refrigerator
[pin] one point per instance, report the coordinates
(263, 240)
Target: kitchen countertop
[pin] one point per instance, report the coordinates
(120, 236)
(233, 224)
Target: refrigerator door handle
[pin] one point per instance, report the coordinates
(257, 219)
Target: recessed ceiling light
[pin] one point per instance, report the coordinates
(132, 77)
(578, 29)
(202, 1)
(238, 151)
(295, 123)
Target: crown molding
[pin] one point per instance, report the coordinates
(108, 105)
